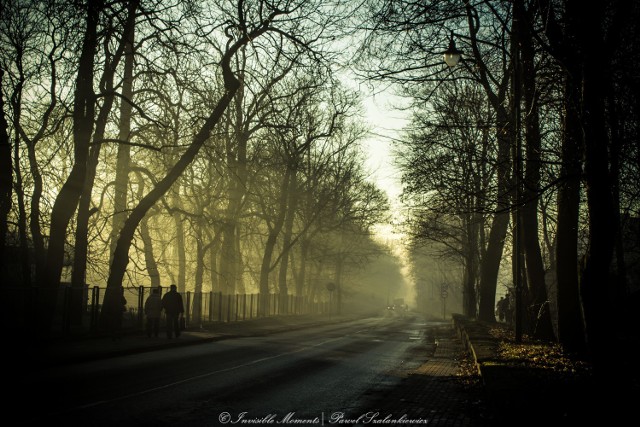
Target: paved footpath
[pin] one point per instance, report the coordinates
(431, 393)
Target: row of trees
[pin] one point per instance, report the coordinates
(537, 127)
(148, 140)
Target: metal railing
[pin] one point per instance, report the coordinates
(78, 308)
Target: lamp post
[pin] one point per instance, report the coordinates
(452, 55)
(517, 163)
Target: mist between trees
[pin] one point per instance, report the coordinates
(206, 144)
(211, 144)
(520, 166)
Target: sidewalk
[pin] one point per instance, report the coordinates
(533, 394)
(70, 351)
(431, 392)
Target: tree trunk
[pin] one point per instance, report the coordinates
(337, 293)
(180, 246)
(6, 179)
(25, 258)
(570, 322)
(149, 258)
(121, 254)
(147, 242)
(237, 163)
(69, 195)
(213, 261)
(490, 263)
(286, 239)
(302, 271)
(196, 314)
(470, 275)
(270, 244)
(227, 256)
(616, 128)
(123, 158)
(81, 248)
(538, 300)
(594, 285)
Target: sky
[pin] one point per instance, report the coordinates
(386, 123)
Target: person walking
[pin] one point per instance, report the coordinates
(173, 309)
(501, 308)
(153, 310)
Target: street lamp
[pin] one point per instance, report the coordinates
(452, 55)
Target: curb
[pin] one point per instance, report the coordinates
(51, 360)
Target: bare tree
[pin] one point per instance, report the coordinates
(6, 176)
(252, 20)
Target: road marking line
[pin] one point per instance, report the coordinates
(208, 374)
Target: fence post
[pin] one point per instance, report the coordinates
(244, 306)
(188, 310)
(228, 308)
(237, 306)
(95, 299)
(274, 304)
(251, 308)
(140, 306)
(210, 306)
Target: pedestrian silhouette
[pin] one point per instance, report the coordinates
(173, 308)
(153, 310)
(509, 308)
(501, 308)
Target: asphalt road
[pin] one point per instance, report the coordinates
(312, 374)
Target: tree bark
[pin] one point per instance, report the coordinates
(25, 257)
(6, 179)
(147, 242)
(213, 261)
(149, 258)
(123, 157)
(274, 231)
(286, 239)
(196, 316)
(121, 253)
(237, 164)
(564, 48)
(470, 268)
(67, 200)
(570, 322)
(302, 271)
(180, 246)
(540, 314)
(81, 248)
(594, 285)
(490, 264)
